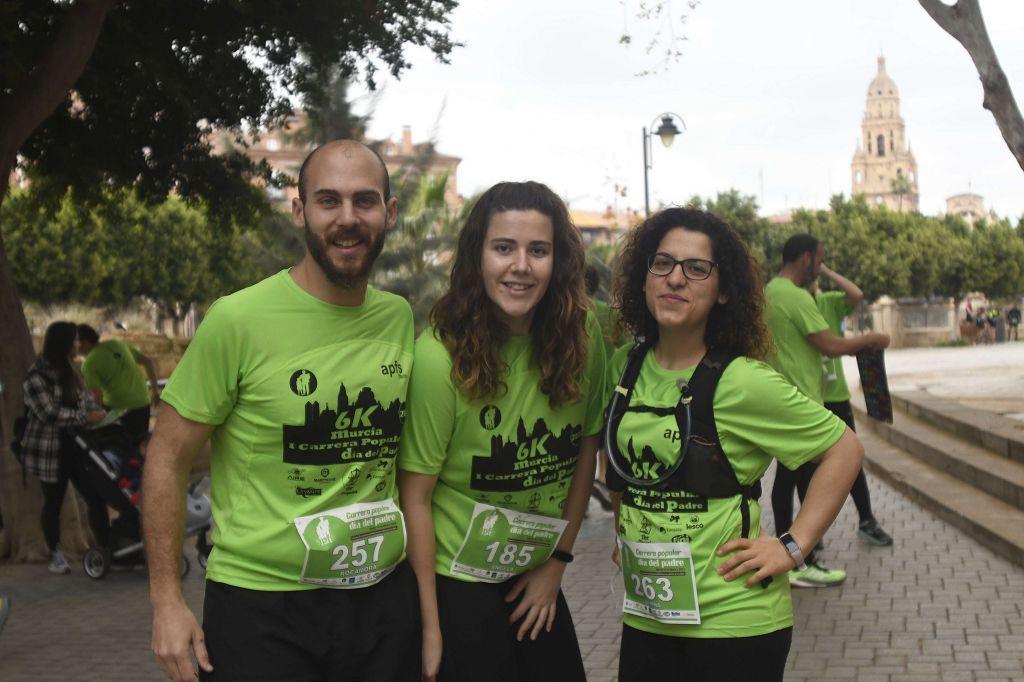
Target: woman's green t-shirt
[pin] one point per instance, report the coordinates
(759, 416)
(511, 451)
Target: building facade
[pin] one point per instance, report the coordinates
(403, 158)
(883, 167)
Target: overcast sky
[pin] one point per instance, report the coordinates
(772, 94)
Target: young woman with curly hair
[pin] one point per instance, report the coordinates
(700, 600)
(498, 450)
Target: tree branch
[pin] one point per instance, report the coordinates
(963, 21)
(22, 111)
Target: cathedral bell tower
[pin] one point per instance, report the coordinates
(883, 166)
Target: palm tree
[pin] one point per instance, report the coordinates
(900, 186)
(416, 261)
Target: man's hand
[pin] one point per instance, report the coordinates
(879, 340)
(95, 417)
(539, 588)
(764, 555)
(175, 631)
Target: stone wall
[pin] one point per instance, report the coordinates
(914, 323)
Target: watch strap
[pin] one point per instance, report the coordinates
(794, 550)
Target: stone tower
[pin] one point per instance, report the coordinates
(883, 155)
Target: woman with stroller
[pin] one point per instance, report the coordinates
(55, 399)
(706, 591)
(497, 454)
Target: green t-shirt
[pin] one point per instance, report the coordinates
(512, 451)
(759, 416)
(309, 400)
(832, 305)
(112, 367)
(791, 316)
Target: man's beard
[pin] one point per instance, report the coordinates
(347, 278)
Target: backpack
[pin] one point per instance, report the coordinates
(705, 470)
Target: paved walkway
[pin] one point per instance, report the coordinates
(937, 606)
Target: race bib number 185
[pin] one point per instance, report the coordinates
(501, 543)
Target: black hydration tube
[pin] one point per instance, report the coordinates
(611, 441)
(611, 428)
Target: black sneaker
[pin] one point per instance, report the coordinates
(871, 533)
(600, 493)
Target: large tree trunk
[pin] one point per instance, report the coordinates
(964, 22)
(21, 112)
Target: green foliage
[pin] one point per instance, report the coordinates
(165, 74)
(416, 260)
(114, 247)
(887, 252)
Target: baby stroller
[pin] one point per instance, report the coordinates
(113, 464)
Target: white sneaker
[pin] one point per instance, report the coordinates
(58, 564)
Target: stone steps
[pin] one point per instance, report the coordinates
(964, 465)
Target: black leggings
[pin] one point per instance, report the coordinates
(645, 657)
(480, 643)
(53, 497)
(787, 481)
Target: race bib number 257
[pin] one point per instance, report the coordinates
(353, 546)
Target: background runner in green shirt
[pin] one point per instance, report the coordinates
(835, 306)
(497, 457)
(300, 383)
(801, 337)
(689, 285)
(112, 368)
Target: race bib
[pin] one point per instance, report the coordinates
(353, 546)
(660, 583)
(501, 543)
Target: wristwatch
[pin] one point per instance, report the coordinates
(562, 555)
(794, 550)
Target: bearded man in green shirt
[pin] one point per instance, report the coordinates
(300, 383)
(801, 337)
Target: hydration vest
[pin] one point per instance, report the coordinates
(705, 469)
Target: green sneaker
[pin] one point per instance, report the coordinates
(816, 575)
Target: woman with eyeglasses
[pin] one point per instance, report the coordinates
(695, 420)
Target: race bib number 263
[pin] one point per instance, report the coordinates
(660, 583)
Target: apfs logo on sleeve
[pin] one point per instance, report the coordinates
(303, 383)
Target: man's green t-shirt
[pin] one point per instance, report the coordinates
(759, 416)
(112, 367)
(511, 451)
(833, 307)
(309, 400)
(791, 316)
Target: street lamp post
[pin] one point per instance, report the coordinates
(667, 131)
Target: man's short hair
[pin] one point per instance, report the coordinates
(383, 168)
(87, 334)
(798, 245)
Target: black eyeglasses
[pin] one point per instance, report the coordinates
(662, 265)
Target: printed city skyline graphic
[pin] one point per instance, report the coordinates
(355, 431)
(549, 458)
(657, 500)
